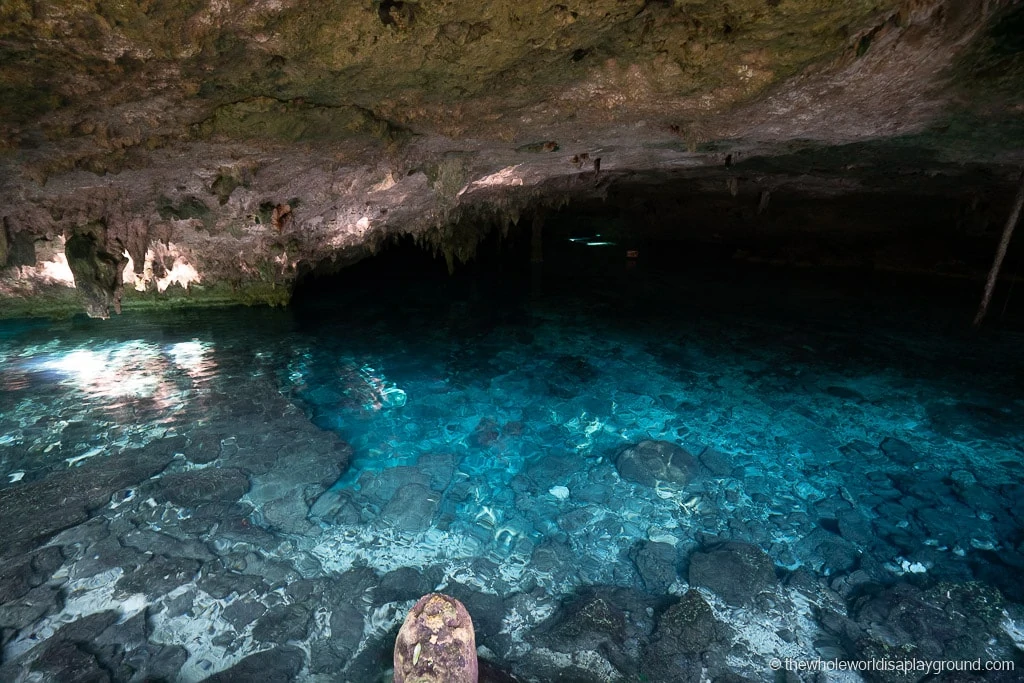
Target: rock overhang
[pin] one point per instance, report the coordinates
(223, 147)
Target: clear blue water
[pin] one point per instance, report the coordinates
(842, 426)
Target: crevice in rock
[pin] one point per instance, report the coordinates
(395, 13)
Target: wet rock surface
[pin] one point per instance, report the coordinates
(736, 572)
(37, 511)
(946, 622)
(607, 622)
(279, 664)
(650, 462)
(685, 631)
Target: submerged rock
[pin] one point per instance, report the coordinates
(656, 563)
(62, 660)
(22, 574)
(685, 630)
(485, 433)
(947, 622)
(436, 643)
(158, 576)
(488, 608)
(67, 655)
(611, 622)
(405, 583)
(346, 630)
(649, 462)
(282, 624)
(122, 650)
(412, 507)
(899, 451)
(278, 665)
(736, 572)
(36, 511)
(717, 463)
(196, 487)
(243, 612)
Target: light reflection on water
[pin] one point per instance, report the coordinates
(70, 399)
(115, 374)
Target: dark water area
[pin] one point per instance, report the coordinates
(674, 467)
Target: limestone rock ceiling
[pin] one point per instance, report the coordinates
(223, 145)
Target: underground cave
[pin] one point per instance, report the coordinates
(674, 340)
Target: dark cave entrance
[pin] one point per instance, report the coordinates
(697, 246)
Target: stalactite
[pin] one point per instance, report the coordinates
(97, 272)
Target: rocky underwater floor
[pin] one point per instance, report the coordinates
(642, 479)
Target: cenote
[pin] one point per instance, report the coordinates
(671, 465)
(575, 341)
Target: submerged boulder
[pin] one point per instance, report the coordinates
(656, 564)
(412, 508)
(899, 451)
(280, 664)
(649, 462)
(688, 626)
(736, 572)
(945, 622)
(952, 622)
(611, 623)
(193, 488)
(436, 643)
(686, 630)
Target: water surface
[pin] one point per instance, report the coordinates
(848, 427)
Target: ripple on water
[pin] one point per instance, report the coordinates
(492, 462)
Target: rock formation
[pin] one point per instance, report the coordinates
(217, 151)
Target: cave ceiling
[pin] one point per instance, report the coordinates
(214, 148)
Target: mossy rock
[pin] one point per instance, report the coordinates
(58, 301)
(265, 118)
(223, 185)
(188, 208)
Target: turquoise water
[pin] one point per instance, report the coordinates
(850, 430)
